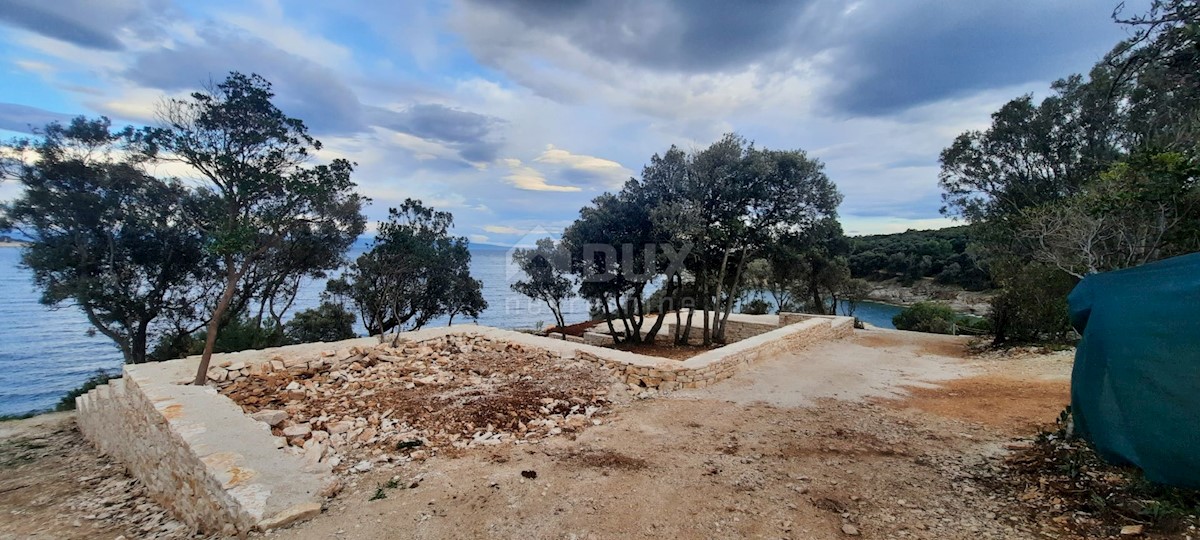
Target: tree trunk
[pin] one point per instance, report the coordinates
(138, 343)
(612, 331)
(122, 341)
(629, 336)
(737, 278)
(210, 341)
(662, 313)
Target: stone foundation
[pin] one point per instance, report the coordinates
(220, 471)
(721, 363)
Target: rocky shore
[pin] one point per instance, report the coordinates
(959, 299)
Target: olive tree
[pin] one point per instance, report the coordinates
(105, 236)
(547, 269)
(414, 272)
(258, 189)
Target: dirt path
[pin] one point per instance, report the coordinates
(876, 436)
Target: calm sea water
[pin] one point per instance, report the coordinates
(45, 352)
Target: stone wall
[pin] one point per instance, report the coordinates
(198, 455)
(718, 364)
(735, 329)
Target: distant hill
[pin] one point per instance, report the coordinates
(942, 254)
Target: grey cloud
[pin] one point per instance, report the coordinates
(24, 119)
(310, 91)
(85, 23)
(881, 56)
(472, 134)
(304, 88)
(684, 35)
(914, 54)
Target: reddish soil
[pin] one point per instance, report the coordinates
(674, 352)
(576, 329)
(1012, 405)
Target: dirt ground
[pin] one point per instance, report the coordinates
(54, 485)
(875, 436)
(674, 352)
(828, 443)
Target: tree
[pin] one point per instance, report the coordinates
(854, 292)
(414, 272)
(1140, 210)
(464, 294)
(547, 269)
(327, 322)
(106, 236)
(1032, 153)
(711, 213)
(259, 193)
(608, 246)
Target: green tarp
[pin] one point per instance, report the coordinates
(1135, 388)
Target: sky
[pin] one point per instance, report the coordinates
(514, 114)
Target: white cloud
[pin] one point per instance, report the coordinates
(502, 229)
(525, 177)
(611, 173)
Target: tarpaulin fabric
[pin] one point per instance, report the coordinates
(1135, 386)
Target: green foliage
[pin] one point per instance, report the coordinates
(414, 272)
(929, 317)
(1032, 304)
(756, 306)
(105, 236)
(67, 402)
(1100, 175)
(943, 254)
(327, 322)
(547, 270)
(260, 197)
(719, 209)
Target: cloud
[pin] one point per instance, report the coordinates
(873, 57)
(472, 134)
(86, 23)
(527, 178)
(304, 88)
(586, 169)
(24, 119)
(501, 229)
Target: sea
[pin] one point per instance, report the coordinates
(46, 352)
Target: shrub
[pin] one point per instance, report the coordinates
(328, 322)
(757, 306)
(927, 317)
(1032, 305)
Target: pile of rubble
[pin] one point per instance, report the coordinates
(360, 407)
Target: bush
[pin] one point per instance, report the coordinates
(1032, 305)
(328, 322)
(67, 403)
(974, 325)
(757, 306)
(927, 317)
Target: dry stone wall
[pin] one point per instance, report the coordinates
(718, 364)
(199, 456)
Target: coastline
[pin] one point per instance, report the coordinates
(890, 292)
